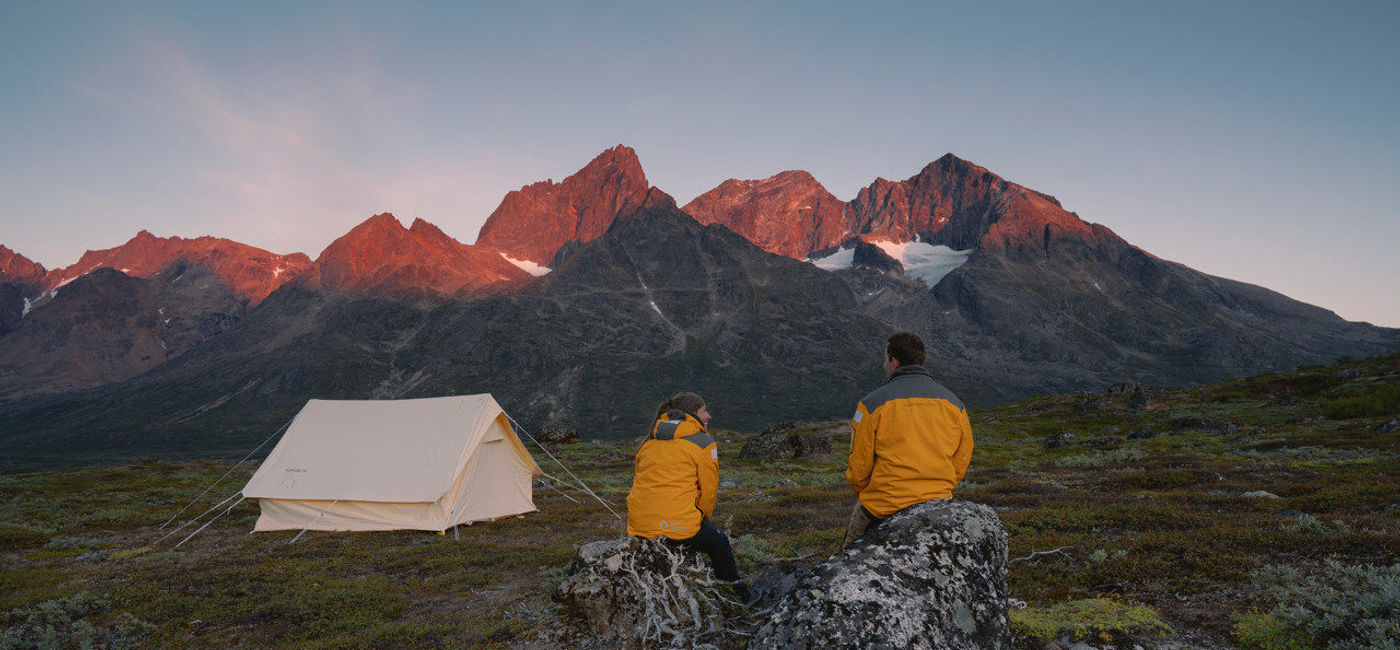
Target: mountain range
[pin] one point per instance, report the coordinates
(583, 303)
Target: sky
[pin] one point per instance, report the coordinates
(1257, 141)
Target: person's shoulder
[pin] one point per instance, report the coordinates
(701, 439)
(939, 391)
(913, 385)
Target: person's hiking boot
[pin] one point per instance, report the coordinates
(741, 589)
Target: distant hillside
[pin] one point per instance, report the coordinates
(586, 302)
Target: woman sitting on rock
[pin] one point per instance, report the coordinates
(675, 484)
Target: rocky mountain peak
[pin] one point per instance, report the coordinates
(19, 269)
(251, 272)
(789, 213)
(958, 203)
(531, 223)
(381, 256)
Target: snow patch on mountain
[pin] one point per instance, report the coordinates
(527, 266)
(837, 261)
(927, 262)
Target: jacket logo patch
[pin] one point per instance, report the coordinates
(714, 453)
(856, 417)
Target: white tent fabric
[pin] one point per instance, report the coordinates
(424, 464)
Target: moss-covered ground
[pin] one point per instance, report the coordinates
(1147, 516)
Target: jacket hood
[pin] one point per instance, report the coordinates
(676, 424)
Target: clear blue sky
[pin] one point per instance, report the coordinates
(1253, 140)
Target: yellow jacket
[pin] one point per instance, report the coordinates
(911, 442)
(675, 481)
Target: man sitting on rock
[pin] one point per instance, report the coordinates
(911, 440)
(675, 485)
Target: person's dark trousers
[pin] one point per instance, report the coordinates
(712, 542)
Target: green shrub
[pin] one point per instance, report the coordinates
(71, 543)
(1100, 458)
(1269, 633)
(1379, 400)
(1100, 619)
(63, 623)
(1343, 607)
(1306, 523)
(18, 538)
(754, 550)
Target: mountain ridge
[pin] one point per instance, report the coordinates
(658, 301)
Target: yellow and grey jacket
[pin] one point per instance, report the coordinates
(911, 442)
(676, 479)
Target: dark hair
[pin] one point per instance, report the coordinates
(688, 402)
(905, 348)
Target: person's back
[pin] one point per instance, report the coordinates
(920, 446)
(675, 480)
(911, 440)
(675, 484)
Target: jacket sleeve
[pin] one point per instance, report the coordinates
(963, 456)
(862, 459)
(707, 471)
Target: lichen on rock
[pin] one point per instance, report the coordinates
(930, 576)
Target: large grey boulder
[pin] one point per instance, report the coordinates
(931, 576)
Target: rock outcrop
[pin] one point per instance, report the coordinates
(531, 223)
(931, 576)
(783, 441)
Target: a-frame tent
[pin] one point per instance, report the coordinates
(423, 464)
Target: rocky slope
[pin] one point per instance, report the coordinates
(253, 273)
(531, 223)
(106, 326)
(20, 281)
(18, 269)
(788, 214)
(658, 304)
(383, 257)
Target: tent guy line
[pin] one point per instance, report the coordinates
(197, 517)
(211, 520)
(226, 474)
(313, 522)
(561, 464)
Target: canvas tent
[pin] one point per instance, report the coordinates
(424, 464)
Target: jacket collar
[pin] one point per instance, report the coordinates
(676, 424)
(910, 369)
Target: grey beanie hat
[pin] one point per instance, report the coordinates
(688, 402)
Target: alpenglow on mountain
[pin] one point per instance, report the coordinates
(585, 302)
